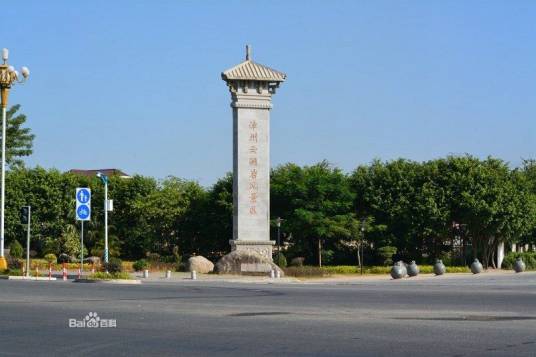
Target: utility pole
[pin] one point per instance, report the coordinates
(107, 207)
(26, 217)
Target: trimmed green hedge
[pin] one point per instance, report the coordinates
(280, 260)
(51, 258)
(13, 272)
(352, 269)
(305, 271)
(313, 271)
(140, 265)
(16, 250)
(109, 276)
(114, 265)
(529, 258)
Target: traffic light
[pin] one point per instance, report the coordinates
(24, 214)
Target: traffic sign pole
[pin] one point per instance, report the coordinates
(82, 248)
(83, 213)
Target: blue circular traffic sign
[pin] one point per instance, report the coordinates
(83, 195)
(83, 212)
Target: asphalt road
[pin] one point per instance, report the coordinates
(462, 316)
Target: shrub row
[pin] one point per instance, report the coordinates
(140, 265)
(529, 258)
(305, 271)
(109, 276)
(352, 269)
(312, 271)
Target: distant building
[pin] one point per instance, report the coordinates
(107, 172)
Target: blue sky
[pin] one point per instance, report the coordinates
(136, 84)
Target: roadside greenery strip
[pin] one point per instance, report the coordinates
(409, 209)
(424, 269)
(109, 276)
(528, 258)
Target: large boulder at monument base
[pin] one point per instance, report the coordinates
(245, 262)
(200, 264)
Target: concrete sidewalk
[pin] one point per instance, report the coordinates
(186, 277)
(177, 277)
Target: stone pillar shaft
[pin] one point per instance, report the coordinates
(251, 167)
(252, 86)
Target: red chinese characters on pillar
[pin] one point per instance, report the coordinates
(253, 187)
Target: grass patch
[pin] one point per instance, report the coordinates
(429, 269)
(305, 271)
(352, 269)
(458, 270)
(109, 276)
(341, 269)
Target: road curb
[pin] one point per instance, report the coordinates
(13, 277)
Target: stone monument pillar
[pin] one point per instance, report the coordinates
(252, 86)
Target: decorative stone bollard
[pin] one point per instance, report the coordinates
(194, 275)
(277, 274)
(272, 274)
(398, 271)
(476, 267)
(168, 274)
(519, 265)
(145, 274)
(413, 269)
(439, 267)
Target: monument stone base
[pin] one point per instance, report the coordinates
(264, 248)
(248, 257)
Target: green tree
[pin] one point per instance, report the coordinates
(51, 196)
(215, 217)
(162, 212)
(359, 230)
(528, 179)
(474, 189)
(316, 202)
(15, 249)
(418, 203)
(70, 242)
(407, 209)
(19, 139)
(125, 218)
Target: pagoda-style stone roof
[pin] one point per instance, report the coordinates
(249, 70)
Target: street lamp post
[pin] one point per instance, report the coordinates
(363, 221)
(8, 77)
(104, 180)
(278, 222)
(459, 228)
